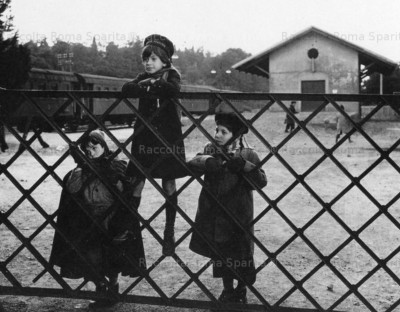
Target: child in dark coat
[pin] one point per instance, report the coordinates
(91, 218)
(163, 81)
(225, 179)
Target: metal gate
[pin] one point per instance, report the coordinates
(315, 278)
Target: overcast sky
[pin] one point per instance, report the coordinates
(214, 25)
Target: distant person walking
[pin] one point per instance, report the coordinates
(289, 119)
(343, 124)
(3, 143)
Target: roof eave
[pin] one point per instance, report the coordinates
(385, 64)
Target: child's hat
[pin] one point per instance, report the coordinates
(161, 42)
(96, 137)
(99, 136)
(231, 122)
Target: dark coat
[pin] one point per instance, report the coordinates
(78, 234)
(236, 194)
(162, 114)
(289, 119)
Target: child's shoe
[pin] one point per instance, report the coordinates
(240, 295)
(227, 295)
(105, 303)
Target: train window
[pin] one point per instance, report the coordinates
(42, 86)
(98, 88)
(54, 86)
(106, 89)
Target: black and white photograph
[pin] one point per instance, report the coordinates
(199, 156)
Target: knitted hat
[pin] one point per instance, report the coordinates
(231, 122)
(161, 42)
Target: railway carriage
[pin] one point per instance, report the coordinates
(73, 115)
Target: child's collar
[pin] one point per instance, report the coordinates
(164, 70)
(235, 146)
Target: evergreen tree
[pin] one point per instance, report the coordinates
(93, 49)
(41, 54)
(14, 67)
(14, 58)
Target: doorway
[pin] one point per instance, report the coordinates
(315, 87)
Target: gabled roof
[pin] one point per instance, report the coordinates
(259, 63)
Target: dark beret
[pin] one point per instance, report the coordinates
(161, 42)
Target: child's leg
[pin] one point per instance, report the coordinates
(137, 190)
(228, 291)
(338, 136)
(240, 284)
(169, 187)
(101, 287)
(228, 283)
(114, 286)
(40, 139)
(113, 279)
(240, 292)
(125, 218)
(137, 194)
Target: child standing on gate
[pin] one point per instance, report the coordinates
(226, 242)
(87, 243)
(163, 81)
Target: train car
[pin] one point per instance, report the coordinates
(73, 115)
(50, 80)
(121, 114)
(42, 79)
(197, 106)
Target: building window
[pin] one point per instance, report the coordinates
(313, 53)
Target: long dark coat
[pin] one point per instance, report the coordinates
(289, 118)
(78, 234)
(217, 226)
(162, 114)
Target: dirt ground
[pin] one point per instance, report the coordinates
(297, 206)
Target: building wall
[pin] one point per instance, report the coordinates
(336, 64)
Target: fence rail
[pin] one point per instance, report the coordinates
(271, 207)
